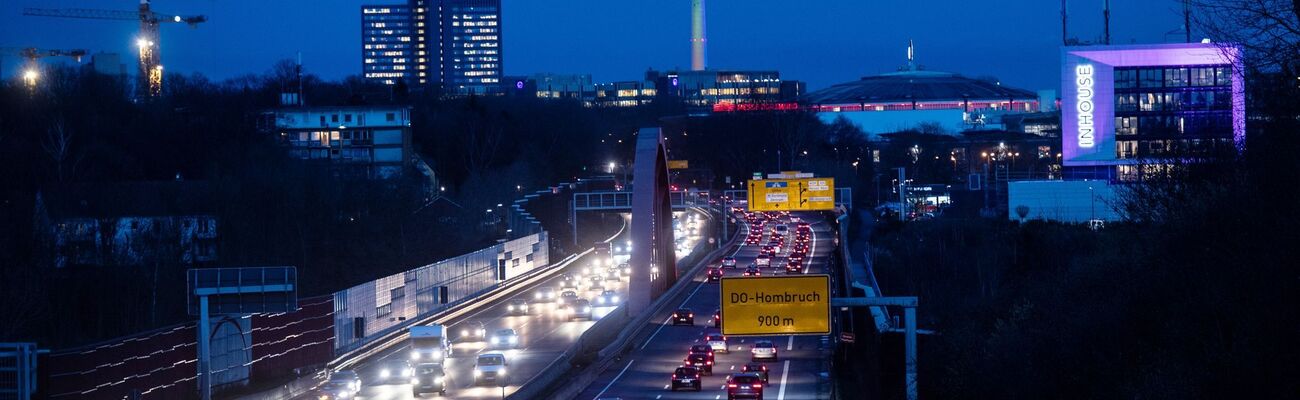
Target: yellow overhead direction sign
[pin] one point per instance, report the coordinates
(776, 305)
(803, 194)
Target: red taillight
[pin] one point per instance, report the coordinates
(708, 363)
(757, 386)
(731, 385)
(692, 315)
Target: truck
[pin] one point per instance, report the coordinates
(429, 344)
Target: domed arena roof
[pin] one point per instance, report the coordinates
(915, 85)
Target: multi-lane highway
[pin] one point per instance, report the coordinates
(797, 373)
(543, 334)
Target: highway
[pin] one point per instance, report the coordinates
(543, 335)
(644, 372)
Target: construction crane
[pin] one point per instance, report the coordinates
(149, 79)
(32, 71)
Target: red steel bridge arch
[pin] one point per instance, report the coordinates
(653, 262)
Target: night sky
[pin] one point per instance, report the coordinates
(822, 42)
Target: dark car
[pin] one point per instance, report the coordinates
(752, 271)
(334, 390)
(757, 368)
(701, 349)
(686, 377)
(794, 266)
(745, 386)
(701, 361)
(715, 274)
(428, 378)
(683, 316)
(717, 319)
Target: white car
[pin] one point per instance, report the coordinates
(763, 349)
(473, 332)
(517, 307)
(717, 342)
(505, 338)
(490, 367)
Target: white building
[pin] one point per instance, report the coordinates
(371, 141)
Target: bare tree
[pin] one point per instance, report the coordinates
(57, 144)
(1268, 30)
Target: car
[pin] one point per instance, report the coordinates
(571, 284)
(473, 332)
(596, 287)
(568, 296)
(781, 229)
(714, 274)
(763, 260)
(490, 367)
(347, 377)
(686, 377)
(625, 269)
(607, 298)
(683, 316)
(717, 318)
(334, 390)
(544, 294)
(701, 349)
(394, 371)
(763, 349)
(728, 262)
(745, 385)
(717, 342)
(794, 266)
(428, 378)
(752, 271)
(517, 307)
(703, 362)
(505, 338)
(580, 309)
(613, 274)
(757, 368)
(595, 279)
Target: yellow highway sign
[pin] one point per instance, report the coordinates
(803, 194)
(776, 305)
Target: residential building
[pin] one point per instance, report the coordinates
(128, 224)
(387, 47)
(1126, 110)
(366, 141)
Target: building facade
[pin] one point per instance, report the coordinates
(365, 141)
(1127, 110)
(387, 43)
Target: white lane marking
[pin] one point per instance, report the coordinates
(717, 397)
(733, 367)
(661, 327)
(620, 375)
(780, 395)
(791, 345)
(660, 396)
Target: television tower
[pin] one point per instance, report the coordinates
(698, 40)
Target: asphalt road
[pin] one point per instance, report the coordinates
(644, 373)
(543, 336)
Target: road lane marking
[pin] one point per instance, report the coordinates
(661, 327)
(791, 345)
(780, 395)
(620, 375)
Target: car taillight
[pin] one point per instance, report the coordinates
(731, 385)
(757, 386)
(708, 363)
(692, 315)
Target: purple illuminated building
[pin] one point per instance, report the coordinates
(1124, 108)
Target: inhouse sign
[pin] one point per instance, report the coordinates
(1083, 82)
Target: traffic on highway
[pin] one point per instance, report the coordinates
(688, 356)
(491, 352)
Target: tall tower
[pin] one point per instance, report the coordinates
(697, 36)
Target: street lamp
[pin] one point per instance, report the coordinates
(30, 76)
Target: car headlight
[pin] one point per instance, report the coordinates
(437, 356)
(464, 332)
(586, 309)
(384, 373)
(415, 381)
(477, 373)
(514, 339)
(615, 299)
(496, 340)
(537, 295)
(510, 307)
(502, 371)
(415, 355)
(600, 300)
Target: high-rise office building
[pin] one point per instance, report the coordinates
(388, 43)
(458, 44)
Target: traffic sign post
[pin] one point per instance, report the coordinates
(909, 304)
(235, 291)
(777, 305)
